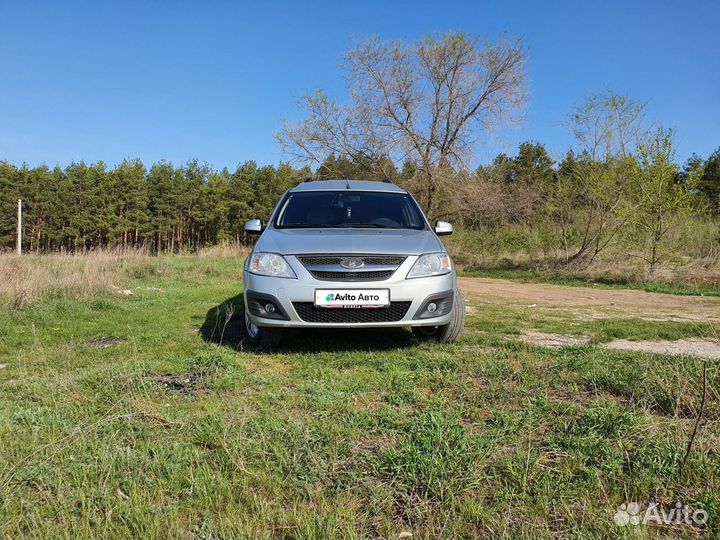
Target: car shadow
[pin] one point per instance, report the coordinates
(224, 326)
(223, 323)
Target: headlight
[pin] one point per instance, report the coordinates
(431, 264)
(270, 264)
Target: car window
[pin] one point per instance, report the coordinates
(349, 209)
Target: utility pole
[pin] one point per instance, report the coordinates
(19, 229)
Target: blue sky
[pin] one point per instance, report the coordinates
(214, 80)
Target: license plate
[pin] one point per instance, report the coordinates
(352, 298)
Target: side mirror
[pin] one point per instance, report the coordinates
(254, 226)
(443, 228)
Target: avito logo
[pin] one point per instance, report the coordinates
(349, 297)
(633, 514)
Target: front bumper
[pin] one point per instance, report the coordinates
(286, 292)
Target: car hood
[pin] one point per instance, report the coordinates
(384, 241)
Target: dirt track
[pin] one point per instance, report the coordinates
(593, 303)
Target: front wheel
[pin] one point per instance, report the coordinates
(262, 337)
(447, 333)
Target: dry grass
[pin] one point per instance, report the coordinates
(630, 268)
(29, 279)
(224, 250)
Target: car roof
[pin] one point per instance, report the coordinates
(341, 185)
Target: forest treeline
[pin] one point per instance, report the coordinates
(163, 207)
(582, 204)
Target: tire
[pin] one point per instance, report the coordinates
(446, 333)
(261, 337)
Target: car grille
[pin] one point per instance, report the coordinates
(309, 313)
(351, 276)
(370, 260)
(329, 268)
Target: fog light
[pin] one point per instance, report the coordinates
(432, 307)
(270, 308)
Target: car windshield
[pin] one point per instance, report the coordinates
(349, 209)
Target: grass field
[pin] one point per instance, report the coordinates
(132, 409)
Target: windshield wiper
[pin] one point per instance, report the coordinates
(307, 226)
(370, 226)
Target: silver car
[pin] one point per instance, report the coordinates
(350, 254)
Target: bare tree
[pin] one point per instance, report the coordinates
(424, 103)
(607, 125)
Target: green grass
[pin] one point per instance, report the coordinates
(605, 282)
(170, 433)
(499, 322)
